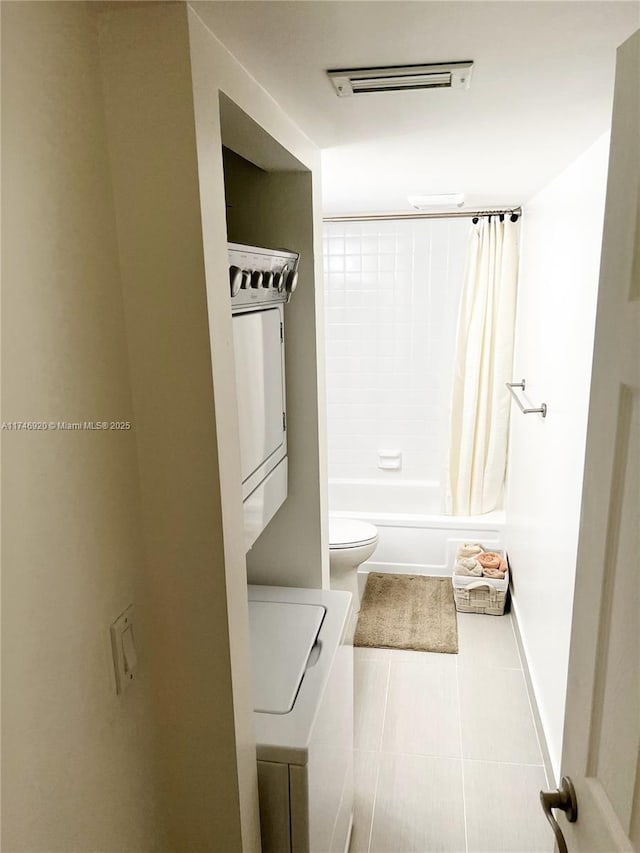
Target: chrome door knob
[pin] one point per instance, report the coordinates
(564, 798)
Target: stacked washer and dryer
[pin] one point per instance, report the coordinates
(301, 644)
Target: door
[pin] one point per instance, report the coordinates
(602, 723)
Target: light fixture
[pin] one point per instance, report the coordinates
(425, 202)
(394, 78)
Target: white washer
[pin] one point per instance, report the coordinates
(302, 662)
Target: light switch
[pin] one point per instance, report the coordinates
(129, 651)
(125, 658)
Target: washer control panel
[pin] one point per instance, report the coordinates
(261, 276)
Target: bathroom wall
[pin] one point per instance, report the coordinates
(165, 74)
(392, 292)
(257, 216)
(116, 305)
(559, 269)
(78, 767)
(282, 208)
(195, 589)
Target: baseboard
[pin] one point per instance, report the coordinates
(546, 757)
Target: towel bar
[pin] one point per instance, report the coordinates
(542, 409)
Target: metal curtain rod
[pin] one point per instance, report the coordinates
(452, 214)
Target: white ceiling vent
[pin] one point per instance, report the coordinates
(396, 78)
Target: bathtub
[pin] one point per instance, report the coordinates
(415, 537)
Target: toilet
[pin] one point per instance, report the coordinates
(350, 544)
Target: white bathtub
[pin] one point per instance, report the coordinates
(415, 537)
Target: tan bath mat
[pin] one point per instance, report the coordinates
(408, 612)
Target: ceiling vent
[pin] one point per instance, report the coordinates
(396, 78)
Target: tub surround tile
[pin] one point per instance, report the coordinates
(381, 287)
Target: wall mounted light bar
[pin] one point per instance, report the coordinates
(397, 78)
(442, 200)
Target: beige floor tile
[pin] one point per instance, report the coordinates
(418, 806)
(423, 714)
(430, 658)
(497, 724)
(486, 641)
(503, 809)
(371, 678)
(370, 654)
(365, 779)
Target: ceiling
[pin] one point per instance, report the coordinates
(540, 95)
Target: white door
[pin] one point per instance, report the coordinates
(602, 723)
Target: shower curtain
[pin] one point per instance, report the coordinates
(484, 354)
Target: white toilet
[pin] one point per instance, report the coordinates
(350, 544)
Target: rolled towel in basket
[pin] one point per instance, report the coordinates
(489, 560)
(468, 566)
(469, 549)
(498, 573)
(493, 565)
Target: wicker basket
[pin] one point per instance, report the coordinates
(481, 595)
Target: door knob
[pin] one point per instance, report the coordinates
(564, 798)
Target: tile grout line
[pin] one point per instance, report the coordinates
(373, 806)
(379, 753)
(457, 758)
(464, 799)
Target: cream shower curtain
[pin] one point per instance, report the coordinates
(484, 354)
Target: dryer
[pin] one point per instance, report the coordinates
(261, 282)
(302, 665)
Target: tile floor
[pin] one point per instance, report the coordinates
(447, 757)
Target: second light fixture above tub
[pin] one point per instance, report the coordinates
(441, 201)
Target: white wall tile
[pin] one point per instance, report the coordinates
(392, 302)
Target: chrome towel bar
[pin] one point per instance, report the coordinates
(542, 409)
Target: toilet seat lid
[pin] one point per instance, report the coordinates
(347, 533)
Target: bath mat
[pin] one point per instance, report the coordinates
(408, 612)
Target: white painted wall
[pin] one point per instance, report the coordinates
(78, 767)
(253, 218)
(392, 292)
(559, 268)
(195, 591)
(286, 212)
(116, 305)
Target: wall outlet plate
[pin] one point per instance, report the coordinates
(125, 659)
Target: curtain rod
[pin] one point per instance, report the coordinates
(452, 214)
